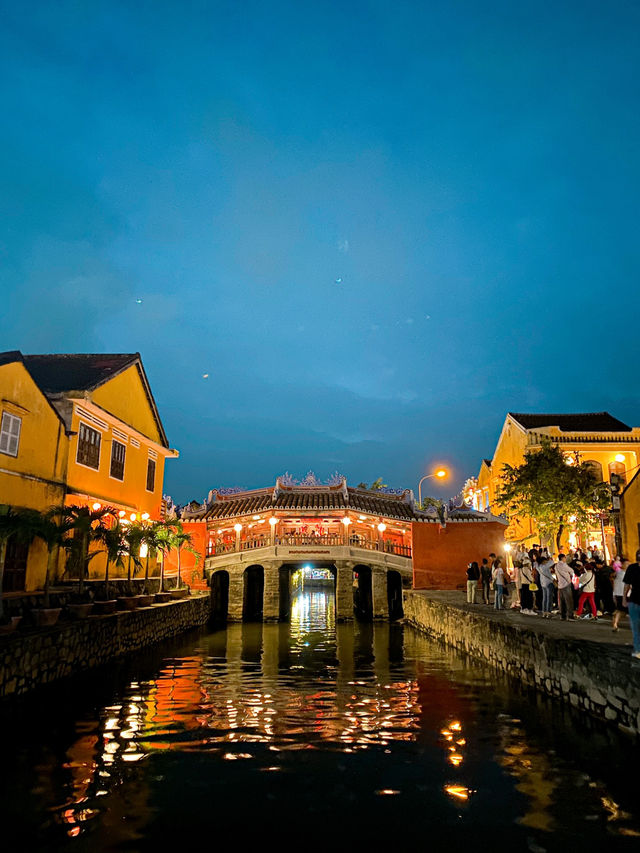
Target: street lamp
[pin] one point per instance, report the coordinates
(440, 473)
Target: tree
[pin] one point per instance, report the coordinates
(378, 485)
(87, 525)
(133, 536)
(52, 528)
(21, 524)
(548, 490)
(163, 538)
(112, 537)
(181, 539)
(436, 503)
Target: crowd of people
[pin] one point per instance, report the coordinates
(539, 584)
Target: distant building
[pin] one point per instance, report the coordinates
(611, 447)
(76, 429)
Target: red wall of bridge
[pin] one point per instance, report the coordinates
(191, 574)
(441, 554)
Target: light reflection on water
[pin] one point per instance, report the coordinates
(371, 725)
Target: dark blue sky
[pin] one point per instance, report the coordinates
(469, 171)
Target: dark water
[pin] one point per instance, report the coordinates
(308, 736)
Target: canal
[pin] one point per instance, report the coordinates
(309, 735)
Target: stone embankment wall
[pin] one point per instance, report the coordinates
(33, 659)
(598, 678)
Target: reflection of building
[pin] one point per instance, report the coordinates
(77, 430)
(610, 447)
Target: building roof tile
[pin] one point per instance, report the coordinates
(578, 422)
(62, 372)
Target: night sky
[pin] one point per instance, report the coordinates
(376, 226)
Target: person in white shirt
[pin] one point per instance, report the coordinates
(587, 592)
(497, 576)
(545, 566)
(565, 575)
(619, 567)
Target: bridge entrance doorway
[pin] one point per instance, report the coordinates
(363, 594)
(308, 581)
(253, 597)
(219, 597)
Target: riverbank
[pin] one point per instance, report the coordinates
(585, 664)
(36, 658)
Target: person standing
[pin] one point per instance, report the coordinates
(631, 598)
(604, 587)
(619, 567)
(485, 573)
(473, 573)
(587, 592)
(564, 575)
(545, 566)
(498, 582)
(526, 595)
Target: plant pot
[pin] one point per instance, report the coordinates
(182, 592)
(45, 616)
(146, 600)
(11, 625)
(105, 607)
(127, 602)
(163, 597)
(80, 611)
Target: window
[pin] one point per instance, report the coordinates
(118, 453)
(151, 475)
(595, 467)
(618, 469)
(10, 434)
(88, 447)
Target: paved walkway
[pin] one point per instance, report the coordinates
(580, 629)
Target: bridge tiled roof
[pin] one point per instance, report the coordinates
(300, 499)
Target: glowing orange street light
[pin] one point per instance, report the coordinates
(440, 473)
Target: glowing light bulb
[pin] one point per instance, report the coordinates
(382, 527)
(273, 521)
(96, 506)
(237, 528)
(346, 521)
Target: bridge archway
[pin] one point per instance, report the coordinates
(219, 596)
(394, 595)
(363, 593)
(253, 594)
(288, 590)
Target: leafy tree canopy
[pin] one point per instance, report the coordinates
(548, 490)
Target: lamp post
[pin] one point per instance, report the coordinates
(440, 473)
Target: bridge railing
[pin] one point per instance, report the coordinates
(355, 540)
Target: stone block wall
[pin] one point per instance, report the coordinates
(33, 659)
(599, 679)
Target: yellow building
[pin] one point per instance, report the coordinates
(77, 430)
(608, 445)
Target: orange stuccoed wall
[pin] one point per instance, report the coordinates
(191, 574)
(441, 554)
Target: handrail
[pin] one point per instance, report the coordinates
(355, 541)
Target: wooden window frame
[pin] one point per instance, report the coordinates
(84, 461)
(113, 476)
(9, 434)
(151, 467)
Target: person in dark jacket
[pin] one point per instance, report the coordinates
(473, 575)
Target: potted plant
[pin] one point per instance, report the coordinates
(112, 539)
(163, 533)
(88, 526)
(181, 539)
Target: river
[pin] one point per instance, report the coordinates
(309, 735)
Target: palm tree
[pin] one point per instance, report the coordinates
(87, 526)
(181, 539)
(113, 540)
(52, 528)
(378, 485)
(21, 524)
(133, 536)
(153, 543)
(163, 538)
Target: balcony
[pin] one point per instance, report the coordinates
(253, 543)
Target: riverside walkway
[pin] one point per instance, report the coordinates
(583, 662)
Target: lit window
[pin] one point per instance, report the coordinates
(10, 434)
(118, 453)
(618, 470)
(88, 447)
(151, 475)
